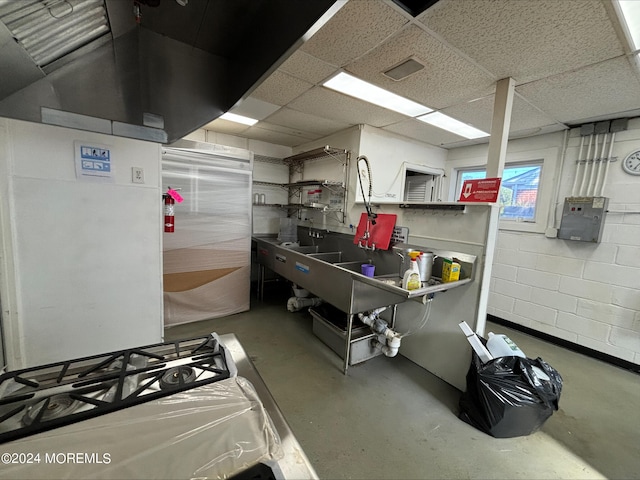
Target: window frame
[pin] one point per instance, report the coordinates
(547, 158)
(533, 163)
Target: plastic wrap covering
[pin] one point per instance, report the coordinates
(214, 431)
(207, 259)
(510, 396)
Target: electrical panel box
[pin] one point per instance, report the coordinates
(583, 218)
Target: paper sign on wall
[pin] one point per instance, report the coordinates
(93, 162)
(481, 190)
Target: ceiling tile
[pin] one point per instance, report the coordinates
(305, 122)
(479, 114)
(598, 90)
(332, 105)
(307, 67)
(253, 108)
(526, 40)
(423, 132)
(272, 134)
(280, 88)
(225, 126)
(355, 29)
(447, 78)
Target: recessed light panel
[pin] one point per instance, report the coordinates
(232, 117)
(452, 125)
(354, 87)
(630, 10)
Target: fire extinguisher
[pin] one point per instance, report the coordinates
(169, 211)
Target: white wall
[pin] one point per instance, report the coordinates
(81, 264)
(584, 293)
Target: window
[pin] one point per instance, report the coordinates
(518, 190)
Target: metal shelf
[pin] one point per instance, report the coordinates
(321, 152)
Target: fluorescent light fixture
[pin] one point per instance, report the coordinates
(630, 10)
(452, 125)
(232, 117)
(354, 87)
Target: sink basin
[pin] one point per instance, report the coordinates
(331, 257)
(331, 270)
(306, 249)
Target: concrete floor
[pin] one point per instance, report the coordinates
(390, 419)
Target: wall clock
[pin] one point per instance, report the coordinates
(631, 164)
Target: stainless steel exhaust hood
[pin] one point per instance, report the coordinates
(89, 64)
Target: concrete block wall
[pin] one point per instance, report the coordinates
(588, 294)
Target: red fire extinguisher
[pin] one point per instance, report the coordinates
(170, 199)
(169, 210)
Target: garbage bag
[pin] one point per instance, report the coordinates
(507, 397)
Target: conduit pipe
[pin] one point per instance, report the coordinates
(593, 164)
(606, 167)
(577, 174)
(586, 164)
(593, 188)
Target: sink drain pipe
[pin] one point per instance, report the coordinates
(298, 303)
(393, 338)
(379, 326)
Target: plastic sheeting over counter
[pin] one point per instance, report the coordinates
(214, 431)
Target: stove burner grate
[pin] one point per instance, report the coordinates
(41, 398)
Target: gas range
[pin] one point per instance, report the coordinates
(42, 398)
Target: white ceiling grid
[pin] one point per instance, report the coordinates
(566, 57)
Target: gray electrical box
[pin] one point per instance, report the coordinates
(583, 218)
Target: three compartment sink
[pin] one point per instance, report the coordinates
(334, 274)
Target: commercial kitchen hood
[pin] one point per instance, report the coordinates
(95, 65)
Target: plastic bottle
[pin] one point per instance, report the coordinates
(499, 345)
(411, 279)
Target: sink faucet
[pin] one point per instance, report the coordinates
(401, 271)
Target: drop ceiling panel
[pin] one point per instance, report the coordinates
(480, 114)
(355, 29)
(225, 126)
(280, 88)
(253, 108)
(294, 119)
(526, 40)
(447, 78)
(307, 67)
(598, 90)
(423, 132)
(335, 106)
(275, 134)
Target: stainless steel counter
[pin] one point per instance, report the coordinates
(295, 464)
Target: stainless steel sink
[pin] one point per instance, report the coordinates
(331, 257)
(331, 270)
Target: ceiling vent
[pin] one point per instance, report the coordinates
(404, 69)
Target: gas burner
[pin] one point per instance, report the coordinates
(36, 399)
(50, 408)
(176, 376)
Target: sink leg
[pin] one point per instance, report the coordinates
(347, 347)
(261, 282)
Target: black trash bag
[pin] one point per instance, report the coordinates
(507, 398)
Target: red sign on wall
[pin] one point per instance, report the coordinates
(481, 190)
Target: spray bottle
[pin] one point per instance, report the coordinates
(411, 279)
